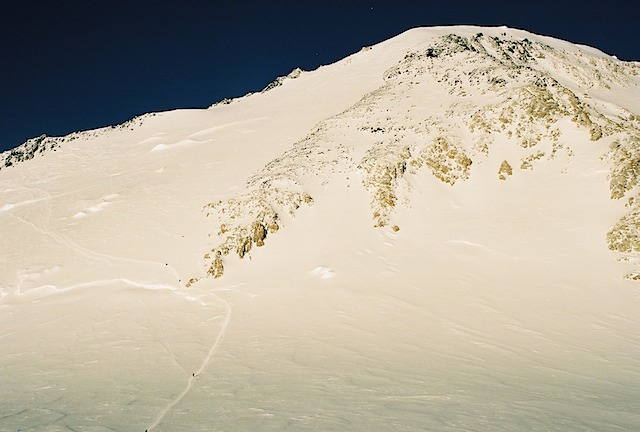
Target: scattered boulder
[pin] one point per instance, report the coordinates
(505, 170)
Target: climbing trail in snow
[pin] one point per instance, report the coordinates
(108, 259)
(205, 363)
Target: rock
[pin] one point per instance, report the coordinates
(448, 162)
(217, 268)
(244, 247)
(625, 234)
(259, 233)
(505, 170)
(527, 163)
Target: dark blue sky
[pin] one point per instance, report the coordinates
(70, 65)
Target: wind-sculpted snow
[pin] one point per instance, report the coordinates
(44, 144)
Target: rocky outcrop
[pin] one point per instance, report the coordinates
(528, 100)
(248, 220)
(216, 269)
(259, 233)
(280, 80)
(383, 167)
(528, 162)
(28, 150)
(625, 234)
(624, 157)
(505, 170)
(44, 144)
(448, 162)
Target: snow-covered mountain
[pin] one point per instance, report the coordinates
(439, 232)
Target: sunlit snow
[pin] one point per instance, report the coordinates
(402, 284)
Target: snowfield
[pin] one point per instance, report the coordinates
(439, 232)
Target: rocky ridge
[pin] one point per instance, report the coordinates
(44, 144)
(28, 150)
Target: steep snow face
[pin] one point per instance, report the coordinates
(446, 104)
(439, 232)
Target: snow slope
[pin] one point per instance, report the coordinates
(439, 232)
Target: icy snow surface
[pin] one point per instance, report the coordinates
(418, 237)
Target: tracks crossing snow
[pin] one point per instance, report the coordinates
(205, 363)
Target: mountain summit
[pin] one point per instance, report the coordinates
(439, 232)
